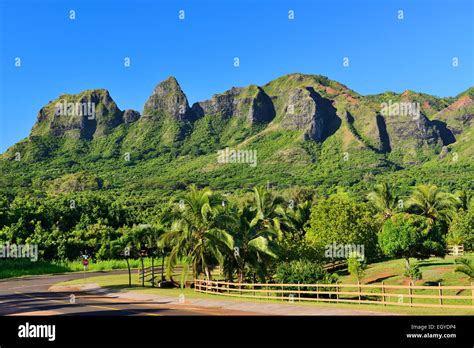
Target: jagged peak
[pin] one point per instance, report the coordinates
(168, 99)
(170, 84)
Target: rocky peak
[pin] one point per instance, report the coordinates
(168, 99)
(85, 115)
(130, 116)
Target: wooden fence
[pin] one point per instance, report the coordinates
(155, 272)
(456, 250)
(399, 295)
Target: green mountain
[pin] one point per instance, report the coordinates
(307, 130)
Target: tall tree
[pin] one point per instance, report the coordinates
(464, 199)
(252, 243)
(383, 200)
(195, 236)
(408, 235)
(430, 202)
(296, 218)
(267, 205)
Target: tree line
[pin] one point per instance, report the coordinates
(260, 235)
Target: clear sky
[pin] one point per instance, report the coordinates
(59, 55)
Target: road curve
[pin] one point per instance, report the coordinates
(30, 296)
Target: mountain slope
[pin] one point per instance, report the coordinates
(305, 129)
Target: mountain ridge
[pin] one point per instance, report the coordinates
(304, 122)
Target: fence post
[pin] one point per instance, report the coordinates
(358, 289)
(299, 294)
(472, 293)
(317, 291)
(337, 293)
(383, 294)
(440, 294)
(409, 292)
(152, 271)
(282, 294)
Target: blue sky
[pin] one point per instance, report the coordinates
(59, 55)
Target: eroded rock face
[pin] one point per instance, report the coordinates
(130, 116)
(308, 111)
(86, 115)
(408, 132)
(251, 103)
(225, 104)
(300, 110)
(261, 108)
(168, 99)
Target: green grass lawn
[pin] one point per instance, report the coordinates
(435, 271)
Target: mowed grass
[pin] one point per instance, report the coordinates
(435, 272)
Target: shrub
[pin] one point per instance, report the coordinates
(355, 266)
(413, 272)
(301, 271)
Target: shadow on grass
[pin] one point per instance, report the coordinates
(433, 282)
(437, 263)
(381, 279)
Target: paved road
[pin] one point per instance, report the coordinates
(30, 296)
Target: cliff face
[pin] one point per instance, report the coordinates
(250, 103)
(86, 115)
(168, 100)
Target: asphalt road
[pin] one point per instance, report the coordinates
(30, 296)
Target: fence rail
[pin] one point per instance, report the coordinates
(156, 271)
(456, 250)
(399, 295)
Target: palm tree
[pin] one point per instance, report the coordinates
(253, 244)
(267, 206)
(464, 199)
(467, 267)
(383, 200)
(295, 219)
(429, 201)
(195, 236)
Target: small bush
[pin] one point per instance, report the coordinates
(302, 271)
(413, 272)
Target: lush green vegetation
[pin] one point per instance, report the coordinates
(259, 235)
